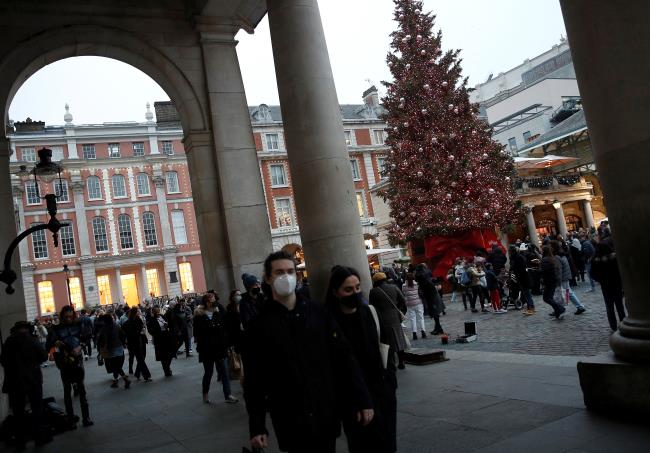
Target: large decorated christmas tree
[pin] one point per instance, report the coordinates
(447, 176)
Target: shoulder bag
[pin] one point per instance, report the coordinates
(383, 348)
(402, 317)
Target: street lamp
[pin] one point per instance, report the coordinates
(46, 171)
(557, 204)
(68, 273)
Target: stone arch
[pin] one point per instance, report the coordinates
(96, 40)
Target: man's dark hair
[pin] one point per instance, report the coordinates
(83, 311)
(276, 256)
(67, 309)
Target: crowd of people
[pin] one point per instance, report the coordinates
(315, 368)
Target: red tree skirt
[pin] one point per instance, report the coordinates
(443, 250)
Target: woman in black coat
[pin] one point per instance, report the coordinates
(164, 341)
(345, 302)
(430, 295)
(552, 276)
(212, 344)
(136, 342)
(604, 269)
(391, 308)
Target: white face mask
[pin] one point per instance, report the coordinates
(285, 284)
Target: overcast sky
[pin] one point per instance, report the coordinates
(493, 35)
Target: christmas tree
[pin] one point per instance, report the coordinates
(447, 175)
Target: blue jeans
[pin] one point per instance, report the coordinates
(222, 371)
(572, 296)
(591, 280)
(527, 297)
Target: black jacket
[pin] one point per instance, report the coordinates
(550, 271)
(498, 260)
(295, 362)
(210, 333)
(164, 341)
(21, 358)
(250, 308)
(518, 268)
(233, 327)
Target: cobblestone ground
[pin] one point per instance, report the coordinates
(583, 335)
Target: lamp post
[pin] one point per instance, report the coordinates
(68, 272)
(46, 171)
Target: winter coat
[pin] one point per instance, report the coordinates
(551, 271)
(518, 268)
(475, 276)
(234, 331)
(565, 268)
(491, 280)
(111, 341)
(296, 362)
(210, 333)
(249, 308)
(498, 260)
(134, 331)
(68, 355)
(389, 301)
(430, 294)
(588, 250)
(604, 267)
(22, 355)
(411, 294)
(164, 341)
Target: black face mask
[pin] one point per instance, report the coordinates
(255, 291)
(353, 300)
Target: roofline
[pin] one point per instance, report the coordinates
(531, 148)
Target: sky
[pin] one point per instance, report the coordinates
(493, 36)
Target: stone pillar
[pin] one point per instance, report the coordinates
(561, 221)
(589, 213)
(201, 163)
(163, 211)
(23, 247)
(616, 102)
(532, 227)
(242, 196)
(78, 188)
(170, 264)
(118, 286)
(89, 276)
(322, 178)
(29, 289)
(142, 283)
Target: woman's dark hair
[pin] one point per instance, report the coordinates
(67, 309)
(338, 275)
(207, 297)
(276, 256)
(232, 295)
(547, 251)
(409, 279)
(133, 313)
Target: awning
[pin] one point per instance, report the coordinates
(539, 163)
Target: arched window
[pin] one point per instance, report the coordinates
(143, 184)
(99, 231)
(126, 236)
(119, 186)
(149, 225)
(172, 182)
(94, 188)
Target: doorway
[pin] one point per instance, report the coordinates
(130, 289)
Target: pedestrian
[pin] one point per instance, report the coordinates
(298, 360)
(41, 335)
(566, 292)
(520, 280)
(252, 300)
(475, 285)
(356, 320)
(98, 325)
(111, 344)
(604, 269)
(136, 342)
(212, 344)
(414, 306)
(66, 338)
(179, 319)
(234, 333)
(164, 341)
(21, 357)
(430, 296)
(464, 281)
(390, 304)
(575, 248)
(497, 259)
(86, 333)
(588, 252)
(551, 276)
(492, 283)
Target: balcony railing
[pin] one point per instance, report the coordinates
(551, 183)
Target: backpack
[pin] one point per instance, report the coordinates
(465, 279)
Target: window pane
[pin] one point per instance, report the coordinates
(379, 137)
(126, 238)
(99, 231)
(172, 182)
(89, 151)
(153, 285)
(283, 212)
(67, 240)
(29, 154)
(39, 244)
(113, 150)
(381, 166)
(187, 281)
(119, 186)
(168, 148)
(46, 297)
(57, 153)
(149, 226)
(104, 287)
(360, 205)
(348, 138)
(32, 193)
(272, 141)
(94, 188)
(75, 292)
(61, 190)
(143, 184)
(277, 175)
(513, 143)
(178, 224)
(355, 169)
(138, 149)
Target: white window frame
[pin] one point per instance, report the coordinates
(284, 182)
(57, 153)
(103, 235)
(348, 137)
(43, 248)
(354, 166)
(66, 235)
(138, 181)
(61, 189)
(268, 141)
(119, 177)
(381, 166)
(99, 187)
(88, 150)
(512, 144)
(174, 176)
(30, 152)
(381, 139)
(111, 148)
(125, 230)
(180, 229)
(277, 212)
(167, 147)
(32, 186)
(139, 148)
(149, 229)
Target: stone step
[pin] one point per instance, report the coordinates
(424, 356)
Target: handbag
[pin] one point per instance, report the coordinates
(234, 364)
(383, 348)
(402, 316)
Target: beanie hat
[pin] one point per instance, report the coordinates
(249, 280)
(379, 276)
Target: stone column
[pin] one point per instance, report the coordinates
(29, 289)
(561, 221)
(118, 286)
(589, 213)
(322, 178)
(201, 162)
(142, 283)
(89, 277)
(616, 102)
(242, 197)
(78, 188)
(170, 265)
(163, 211)
(532, 227)
(23, 247)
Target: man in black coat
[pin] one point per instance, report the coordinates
(296, 359)
(522, 278)
(22, 355)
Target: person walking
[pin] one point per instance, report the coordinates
(234, 334)
(492, 283)
(86, 333)
(520, 279)
(164, 341)
(297, 362)
(252, 300)
(604, 269)
(566, 292)
(475, 285)
(111, 344)
(21, 357)
(136, 342)
(41, 335)
(66, 338)
(430, 296)
(551, 276)
(390, 304)
(179, 319)
(212, 344)
(414, 306)
(344, 299)
(588, 252)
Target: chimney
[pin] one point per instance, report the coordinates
(371, 97)
(166, 114)
(29, 126)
